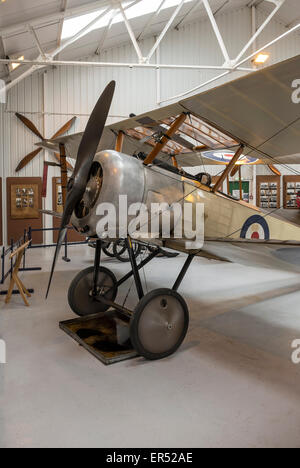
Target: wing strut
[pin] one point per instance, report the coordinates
(165, 139)
(228, 169)
(120, 141)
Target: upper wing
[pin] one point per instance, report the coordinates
(256, 110)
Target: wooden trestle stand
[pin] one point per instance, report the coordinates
(15, 279)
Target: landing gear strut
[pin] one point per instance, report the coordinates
(158, 324)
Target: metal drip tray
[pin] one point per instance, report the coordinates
(105, 336)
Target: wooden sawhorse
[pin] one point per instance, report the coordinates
(15, 279)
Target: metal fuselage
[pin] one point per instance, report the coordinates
(224, 217)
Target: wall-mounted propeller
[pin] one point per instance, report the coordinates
(85, 157)
(30, 125)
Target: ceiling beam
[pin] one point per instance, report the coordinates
(45, 20)
(216, 31)
(131, 34)
(3, 56)
(37, 41)
(151, 19)
(41, 63)
(62, 63)
(61, 23)
(254, 3)
(78, 35)
(235, 67)
(165, 30)
(197, 4)
(221, 7)
(105, 34)
(260, 30)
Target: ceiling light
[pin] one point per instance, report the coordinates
(261, 58)
(12, 66)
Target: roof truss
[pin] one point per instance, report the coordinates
(230, 65)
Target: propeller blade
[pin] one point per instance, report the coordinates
(27, 159)
(61, 237)
(64, 129)
(85, 158)
(29, 125)
(93, 133)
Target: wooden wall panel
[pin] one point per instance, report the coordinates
(16, 227)
(73, 236)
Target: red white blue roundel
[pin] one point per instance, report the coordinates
(255, 228)
(226, 157)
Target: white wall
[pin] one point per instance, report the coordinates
(50, 99)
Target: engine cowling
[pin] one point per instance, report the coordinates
(114, 175)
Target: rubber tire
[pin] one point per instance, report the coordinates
(107, 252)
(71, 292)
(136, 249)
(134, 325)
(118, 254)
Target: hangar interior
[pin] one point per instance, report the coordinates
(232, 383)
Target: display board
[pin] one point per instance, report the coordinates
(57, 203)
(268, 189)
(24, 200)
(234, 190)
(291, 186)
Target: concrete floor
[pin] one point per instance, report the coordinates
(232, 384)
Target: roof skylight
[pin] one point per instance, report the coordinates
(73, 25)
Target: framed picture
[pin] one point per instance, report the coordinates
(24, 202)
(58, 197)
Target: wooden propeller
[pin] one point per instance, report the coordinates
(29, 157)
(29, 125)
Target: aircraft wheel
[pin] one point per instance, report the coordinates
(121, 253)
(159, 324)
(80, 296)
(108, 249)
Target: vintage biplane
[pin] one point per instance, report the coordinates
(142, 157)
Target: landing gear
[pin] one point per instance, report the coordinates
(159, 324)
(81, 297)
